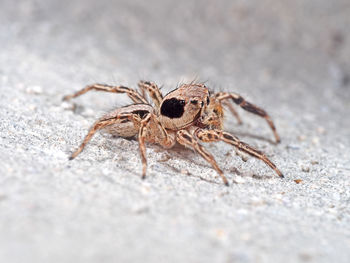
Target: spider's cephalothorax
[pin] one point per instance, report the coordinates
(186, 115)
(183, 106)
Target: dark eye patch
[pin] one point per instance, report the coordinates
(173, 108)
(194, 102)
(141, 113)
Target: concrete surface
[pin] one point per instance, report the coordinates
(290, 57)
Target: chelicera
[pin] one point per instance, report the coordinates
(187, 115)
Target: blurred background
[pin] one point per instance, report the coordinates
(289, 57)
(275, 45)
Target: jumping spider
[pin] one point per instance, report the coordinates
(185, 115)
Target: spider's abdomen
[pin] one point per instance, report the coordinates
(125, 126)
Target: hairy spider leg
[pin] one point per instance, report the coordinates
(185, 138)
(153, 91)
(100, 124)
(218, 135)
(133, 94)
(236, 98)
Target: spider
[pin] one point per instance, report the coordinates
(186, 115)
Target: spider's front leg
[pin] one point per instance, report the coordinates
(218, 135)
(133, 94)
(239, 100)
(187, 139)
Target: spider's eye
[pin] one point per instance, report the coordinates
(194, 102)
(208, 100)
(173, 108)
(202, 104)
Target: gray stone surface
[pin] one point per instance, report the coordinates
(290, 57)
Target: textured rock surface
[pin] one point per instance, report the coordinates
(291, 58)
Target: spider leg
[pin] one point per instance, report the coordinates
(133, 94)
(100, 124)
(236, 98)
(153, 91)
(217, 135)
(151, 130)
(187, 139)
(142, 145)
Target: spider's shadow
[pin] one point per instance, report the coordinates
(191, 174)
(254, 136)
(186, 154)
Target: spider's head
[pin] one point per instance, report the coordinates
(212, 116)
(182, 107)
